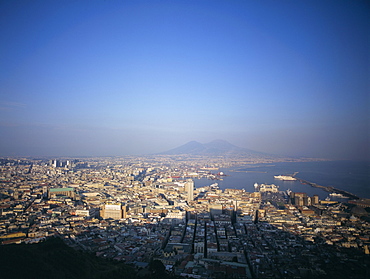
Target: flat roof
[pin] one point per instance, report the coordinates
(61, 189)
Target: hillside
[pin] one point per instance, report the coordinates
(54, 259)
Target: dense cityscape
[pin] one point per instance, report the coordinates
(271, 99)
(138, 210)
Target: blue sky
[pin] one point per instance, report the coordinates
(135, 77)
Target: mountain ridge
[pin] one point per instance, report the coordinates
(216, 147)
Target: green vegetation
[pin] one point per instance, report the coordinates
(54, 259)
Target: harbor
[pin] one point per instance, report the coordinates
(329, 189)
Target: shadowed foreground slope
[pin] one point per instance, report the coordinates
(54, 259)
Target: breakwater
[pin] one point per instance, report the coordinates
(329, 189)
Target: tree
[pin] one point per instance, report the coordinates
(157, 269)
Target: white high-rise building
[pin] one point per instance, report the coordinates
(189, 188)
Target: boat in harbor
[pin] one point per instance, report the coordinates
(337, 195)
(285, 177)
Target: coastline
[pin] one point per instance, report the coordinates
(329, 189)
(350, 178)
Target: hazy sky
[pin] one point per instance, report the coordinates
(108, 77)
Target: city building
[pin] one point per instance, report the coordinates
(189, 188)
(266, 188)
(114, 211)
(57, 192)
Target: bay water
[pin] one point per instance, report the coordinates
(351, 176)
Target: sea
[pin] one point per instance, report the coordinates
(351, 176)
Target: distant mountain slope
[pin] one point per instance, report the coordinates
(192, 147)
(213, 148)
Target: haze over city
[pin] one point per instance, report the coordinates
(97, 78)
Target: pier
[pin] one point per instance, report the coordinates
(329, 189)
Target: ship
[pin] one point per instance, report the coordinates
(285, 177)
(337, 195)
